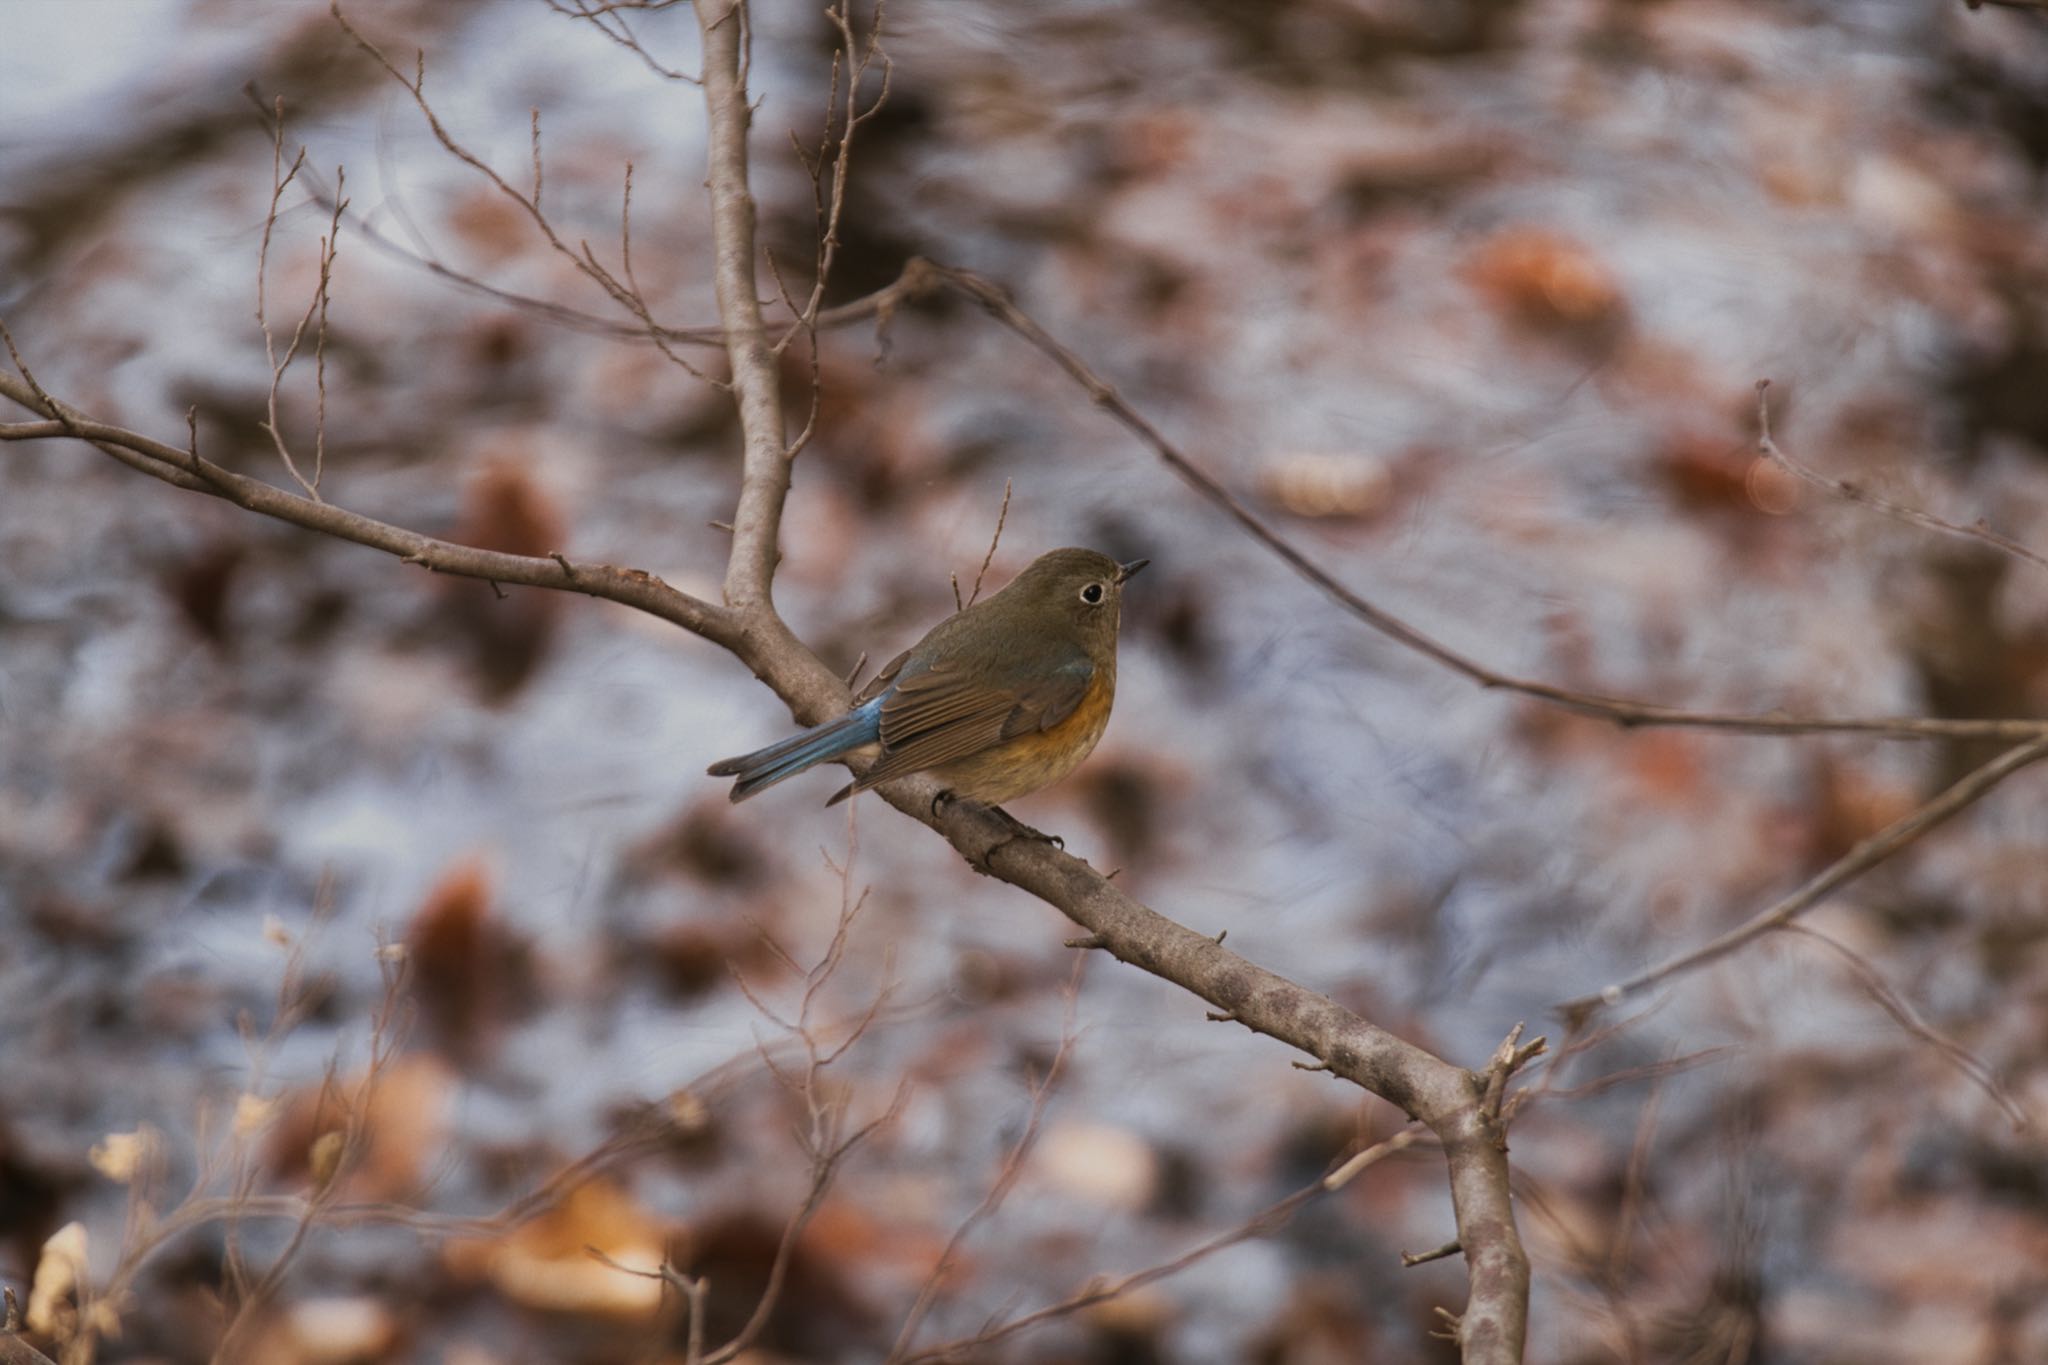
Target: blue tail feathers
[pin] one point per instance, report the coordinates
(819, 744)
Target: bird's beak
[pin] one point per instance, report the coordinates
(1124, 571)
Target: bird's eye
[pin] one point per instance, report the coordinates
(1092, 594)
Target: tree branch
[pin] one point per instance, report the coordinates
(187, 469)
(1448, 1099)
(1620, 710)
(1858, 860)
(1849, 492)
(764, 475)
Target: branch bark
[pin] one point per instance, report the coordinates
(189, 470)
(764, 478)
(1867, 854)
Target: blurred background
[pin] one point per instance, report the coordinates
(1469, 299)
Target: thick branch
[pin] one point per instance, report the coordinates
(764, 475)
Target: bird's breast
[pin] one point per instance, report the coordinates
(1020, 766)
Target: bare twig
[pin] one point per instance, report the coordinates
(832, 161)
(1005, 1181)
(824, 1171)
(1101, 1290)
(280, 179)
(1909, 1019)
(186, 469)
(1858, 860)
(330, 246)
(1411, 1259)
(823, 1137)
(621, 292)
(607, 19)
(1842, 488)
(1600, 1085)
(1350, 1169)
(916, 281)
(1510, 1057)
(1002, 515)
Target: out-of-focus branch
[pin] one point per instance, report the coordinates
(1850, 492)
(1261, 1224)
(608, 20)
(623, 292)
(1973, 1067)
(1620, 710)
(187, 469)
(1858, 860)
(1007, 1175)
(15, 1351)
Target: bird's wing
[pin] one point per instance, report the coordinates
(937, 715)
(880, 682)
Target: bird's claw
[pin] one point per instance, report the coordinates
(1018, 830)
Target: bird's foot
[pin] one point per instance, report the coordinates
(1018, 831)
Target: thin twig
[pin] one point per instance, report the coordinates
(621, 292)
(1867, 854)
(603, 17)
(1955, 1054)
(1372, 1156)
(1002, 515)
(1842, 488)
(280, 179)
(1006, 1178)
(1411, 1259)
(1262, 1224)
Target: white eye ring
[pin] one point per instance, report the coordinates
(1092, 594)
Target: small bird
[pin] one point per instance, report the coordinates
(997, 700)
